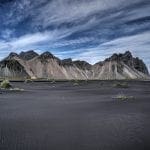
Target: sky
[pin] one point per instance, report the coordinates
(89, 30)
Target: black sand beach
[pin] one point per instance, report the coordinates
(63, 116)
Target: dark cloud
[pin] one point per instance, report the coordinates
(6, 1)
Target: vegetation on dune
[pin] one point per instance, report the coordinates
(75, 82)
(80, 82)
(121, 85)
(53, 81)
(5, 84)
(123, 97)
(28, 81)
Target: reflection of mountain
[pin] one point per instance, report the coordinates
(30, 64)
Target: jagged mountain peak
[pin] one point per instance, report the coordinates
(67, 62)
(82, 64)
(47, 55)
(125, 56)
(11, 56)
(28, 55)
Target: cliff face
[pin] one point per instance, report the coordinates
(46, 65)
(130, 61)
(121, 66)
(12, 69)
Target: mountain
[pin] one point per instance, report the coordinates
(32, 65)
(121, 66)
(28, 55)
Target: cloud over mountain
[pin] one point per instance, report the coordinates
(76, 28)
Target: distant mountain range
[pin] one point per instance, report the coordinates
(32, 65)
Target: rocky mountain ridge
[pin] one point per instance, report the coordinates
(32, 65)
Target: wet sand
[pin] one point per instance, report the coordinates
(62, 116)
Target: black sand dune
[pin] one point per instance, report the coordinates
(62, 116)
